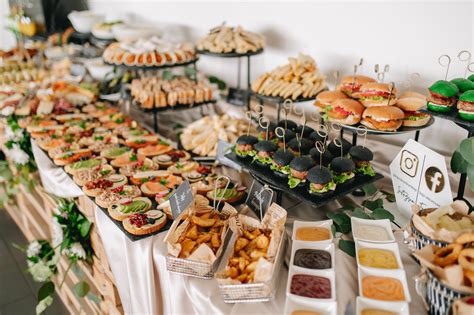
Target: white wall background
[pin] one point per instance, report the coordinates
(407, 35)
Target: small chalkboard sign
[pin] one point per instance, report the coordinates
(259, 198)
(181, 199)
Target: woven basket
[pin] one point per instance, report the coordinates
(439, 296)
(420, 240)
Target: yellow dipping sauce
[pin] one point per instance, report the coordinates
(377, 258)
(312, 234)
(373, 311)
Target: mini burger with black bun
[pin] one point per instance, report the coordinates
(281, 163)
(306, 132)
(299, 167)
(466, 105)
(336, 150)
(361, 156)
(262, 132)
(244, 146)
(352, 84)
(326, 158)
(386, 118)
(377, 94)
(264, 152)
(287, 124)
(324, 99)
(343, 170)
(410, 103)
(289, 135)
(442, 96)
(344, 111)
(321, 181)
(320, 136)
(300, 147)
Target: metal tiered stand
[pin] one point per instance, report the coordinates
(237, 96)
(469, 127)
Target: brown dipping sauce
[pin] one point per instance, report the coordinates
(312, 259)
(310, 286)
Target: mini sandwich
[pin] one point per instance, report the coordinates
(126, 159)
(171, 157)
(289, 135)
(141, 166)
(156, 149)
(287, 124)
(306, 132)
(299, 167)
(93, 163)
(343, 170)
(336, 151)
(315, 137)
(264, 152)
(321, 181)
(114, 152)
(361, 156)
(376, 94)
(110, 197)
(344, 111)
(466, 105)
(141, 141)
(281, 163)
(142, 177)
(71, 157)
(183, 167)
(145, 223)
(443, 96)
(97, 186)
(351, 84)
(262, 132)
(127, 207)
(410, 103)
(83, 176)
(325, 98)
(300, 148)
(230, 194)
(387, 118)
(316, 156)
(463, 84)
(152, 189)
(471, 77)
(244, 146)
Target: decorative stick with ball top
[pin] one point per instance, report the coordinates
(219, 194)
(265, 124)
(409, 83)
(354, 79)
(381, 74)
(465, 56)
(280, 133)
(445, 61)
(337, 76)
(248, 116)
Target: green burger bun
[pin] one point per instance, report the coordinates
(463, 84)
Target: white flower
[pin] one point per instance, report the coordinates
(76, 250)
(44, 304)
(13, 135)
(33, 249)
(40, 272)
(57, 232)
(17, 155)
(7, 111)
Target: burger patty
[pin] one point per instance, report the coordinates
(338, 113)
(441, 99)
(466, 106)
(244, 147)
(389, 124)
(416, 114)
(298, 174)
(370, 93)
(317, 186)
(263, 154)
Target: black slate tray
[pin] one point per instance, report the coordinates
(266, 176)
(453, 116)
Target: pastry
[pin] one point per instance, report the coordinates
(71, 156)
(73, 168)
(122, 210)
(109, 197)
(225, 39)
(86, 175)
(95, 187)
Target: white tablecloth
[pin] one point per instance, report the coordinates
(146, 287)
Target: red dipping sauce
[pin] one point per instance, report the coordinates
(311, 286)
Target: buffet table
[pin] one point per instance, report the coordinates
(146, 287)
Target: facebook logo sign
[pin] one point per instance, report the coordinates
(434, 179)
